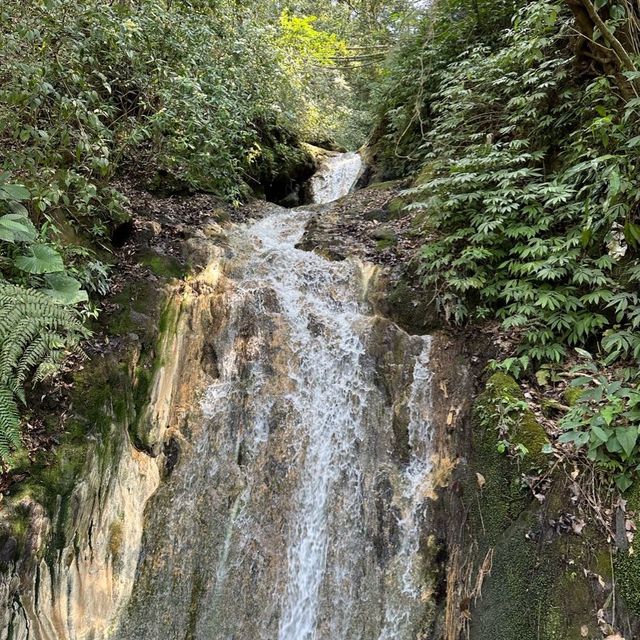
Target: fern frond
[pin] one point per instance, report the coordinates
(35, 335)
(10, 435)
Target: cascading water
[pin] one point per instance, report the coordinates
(291, 514)
(336, 177)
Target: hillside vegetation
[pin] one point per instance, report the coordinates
(521, 126)
(184, 96)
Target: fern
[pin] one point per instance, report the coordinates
(35, 335)
(530, 197)
(10, 436)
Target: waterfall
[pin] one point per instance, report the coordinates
(291, 514)
(336, 177)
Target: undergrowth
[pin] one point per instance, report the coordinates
(187, 96)
(527, 198)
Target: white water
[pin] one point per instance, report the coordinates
(327, 323)
(320, 303)
(306, 557)
(403, 606)
(336, 177)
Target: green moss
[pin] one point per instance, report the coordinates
(146, 370)
(387, 243)
(101, 396)
(515, 599)
(137, 306)
(386, 185)
(397, 207)
(426, 175)
(163, 266)
(532, 435)
(571, 395)
(116, 540)
(627, 563)
(107, 398)
(412, 308)
(503, 395)
(537, 589)
(501, 384)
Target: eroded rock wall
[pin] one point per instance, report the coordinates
(69, 559)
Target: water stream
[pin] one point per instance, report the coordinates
(296, 510)
(336, 177)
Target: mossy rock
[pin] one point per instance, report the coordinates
(385, 237)
(107, 398)
(387, 185)
(411, 307)
(537, 589)
(627, 563)
(502, 390)
(101, 398)
(139, 308)
(161, 265)
(427, 173)
(398, 207)
(572, 395)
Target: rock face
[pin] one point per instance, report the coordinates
(77, 562)
(306, 485)
(291, 500)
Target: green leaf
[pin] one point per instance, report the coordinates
(627, 437)
(43, 259)
(14, 192)
(65, 289)
(543, 376)
(623, 482)
(15, 227)
(608, 414)
(600, 433)
(632, 234)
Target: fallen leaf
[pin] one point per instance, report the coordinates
(481, 480)
(577, 526)
(584, 631)
(615, 636)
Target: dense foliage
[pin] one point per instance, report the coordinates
(527, 194)
(186, 94)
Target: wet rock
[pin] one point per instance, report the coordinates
(384, 234)
(8, 551)
(171, 455)
(388, 516)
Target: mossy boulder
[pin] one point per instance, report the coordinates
(538, 587)
(627, 562)
(503, 402)
(161, 265)
(411, 307)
